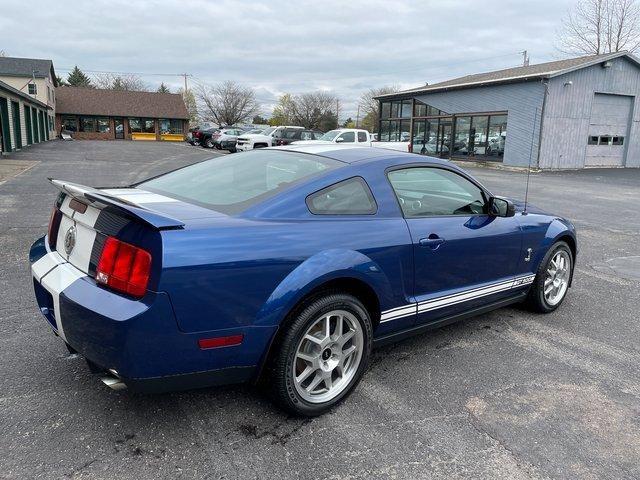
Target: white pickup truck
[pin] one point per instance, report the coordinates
(260, 140)
(355, 136)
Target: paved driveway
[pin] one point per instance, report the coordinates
(506, 395)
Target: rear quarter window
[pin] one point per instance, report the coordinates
(348, 197)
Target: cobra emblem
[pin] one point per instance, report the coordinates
(70, 240)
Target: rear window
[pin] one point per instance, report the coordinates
(233, 183)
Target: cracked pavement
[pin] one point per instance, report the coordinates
(507, 395)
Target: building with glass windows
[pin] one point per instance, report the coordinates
(567, 114)
(94, 114)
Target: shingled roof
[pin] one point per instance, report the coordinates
(516, 74)
(27, 67)
(117, 103)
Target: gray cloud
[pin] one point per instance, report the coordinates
(276, 47)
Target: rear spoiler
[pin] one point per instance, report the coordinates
(101, 200)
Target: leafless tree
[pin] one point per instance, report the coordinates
(227, 103)
(111, 81)
(314, 109)
(600, 26)
(369, 106)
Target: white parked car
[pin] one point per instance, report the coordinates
(355, 136)
(265, 139)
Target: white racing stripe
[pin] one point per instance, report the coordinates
(44, 265)
(55, 282)
(453, 299)
(138, 197)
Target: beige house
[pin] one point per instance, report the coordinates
(27, 102)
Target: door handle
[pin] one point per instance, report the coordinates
(433, 241)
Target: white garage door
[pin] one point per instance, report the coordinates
(608, 130)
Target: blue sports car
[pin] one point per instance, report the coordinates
(288, 264)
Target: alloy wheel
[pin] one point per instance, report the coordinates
(328, 356)
(556, 281)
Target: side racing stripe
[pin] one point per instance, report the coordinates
(453, 299)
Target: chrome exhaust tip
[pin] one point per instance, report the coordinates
(110, 379)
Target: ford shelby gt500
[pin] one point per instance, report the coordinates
(285, 263)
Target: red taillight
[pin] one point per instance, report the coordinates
(217, 342)
(54, 225)
(124, 267)
(198, 134)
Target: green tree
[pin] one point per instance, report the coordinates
(349, 123)
(163, 88)
(260, 120)
(78, 79)
(283, 112)
(60, 81)
(369, 106)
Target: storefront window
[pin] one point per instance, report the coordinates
(135, 125)
(461, 138)
(70, 124)
(406, 109)
(170, 126)
(386, 110)
(478, 135)
(395, 109)
(87, 124)
(149, 126)
(420, 109)
(497, 136)
(103, 125)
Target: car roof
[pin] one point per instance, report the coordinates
(355, 154)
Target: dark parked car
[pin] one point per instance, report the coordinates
(289, 135)
(222, 139)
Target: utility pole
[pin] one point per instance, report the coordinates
(337, 113)
(185, 82)
(358, 117)
(525, 58)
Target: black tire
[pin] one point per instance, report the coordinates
(208, 143)
(281, 370)
(536, 300)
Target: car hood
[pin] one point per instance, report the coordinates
(519, 204)
(254, 136)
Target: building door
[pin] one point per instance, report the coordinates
(17, 130)
(4, 121)
(118, 128)
(27, 124)
(36, 130)
(41, 125)
(608, 130)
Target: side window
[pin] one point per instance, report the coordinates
(306, 135)
(429, 191)
(347, 137)
(362, 137)
(349, 197)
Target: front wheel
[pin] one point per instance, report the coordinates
(552, 280)
(322, 355)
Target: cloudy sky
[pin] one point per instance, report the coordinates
(345, 47)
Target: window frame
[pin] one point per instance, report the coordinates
(486, 193)
(357, 178)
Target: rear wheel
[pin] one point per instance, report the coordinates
(322, 355)
(208, 143)
(551, 284)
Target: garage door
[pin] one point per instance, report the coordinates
(608, 130)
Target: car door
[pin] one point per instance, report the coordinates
(463, 257)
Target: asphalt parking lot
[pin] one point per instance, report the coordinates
(508, 395)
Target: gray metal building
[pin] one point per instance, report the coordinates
(567, 114)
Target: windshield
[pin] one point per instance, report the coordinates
(268, 131)
(233, 183)
(330, 135)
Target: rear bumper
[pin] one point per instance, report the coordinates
(139, 339)
(244, 147)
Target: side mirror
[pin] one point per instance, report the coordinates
(339, 140)
(501, 207)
